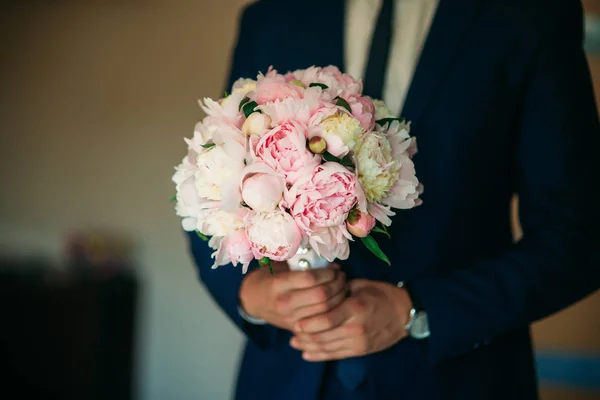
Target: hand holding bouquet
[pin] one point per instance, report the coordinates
(301, 159)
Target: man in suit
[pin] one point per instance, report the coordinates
(500, 100)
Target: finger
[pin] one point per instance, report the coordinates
(335, 265)
(325, 321)
(279, 266)
(348, 330)
(346, 352)
(314, 347)
(318, 294)
(291, 280)
(330, 304)
(357, 284)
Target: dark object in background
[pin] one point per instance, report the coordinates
(66, 336)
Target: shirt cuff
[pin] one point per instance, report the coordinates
(250, 319)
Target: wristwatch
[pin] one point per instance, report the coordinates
(417, 325)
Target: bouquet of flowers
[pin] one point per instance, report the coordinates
(292, 163)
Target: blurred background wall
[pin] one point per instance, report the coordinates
(95, 98)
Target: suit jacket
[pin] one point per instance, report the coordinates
(501, 103)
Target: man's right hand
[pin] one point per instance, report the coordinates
(284, 298)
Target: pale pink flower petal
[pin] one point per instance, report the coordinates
(293, 109)
(273, 86)
(363, 110)
(224, 112)
(331, 243)
(238, 250)
(381, 213)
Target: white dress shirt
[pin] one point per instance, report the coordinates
(412, 21)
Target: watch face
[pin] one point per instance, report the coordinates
(420, 326)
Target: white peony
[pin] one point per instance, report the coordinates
(216, 222)
(244, 86)
(219, 173)
(382, 110)
(187, 203)
(377, 169)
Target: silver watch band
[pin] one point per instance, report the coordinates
(249, 318)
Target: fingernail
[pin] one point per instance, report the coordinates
(306, 356)
(293, 342)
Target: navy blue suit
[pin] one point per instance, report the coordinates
(501, 103)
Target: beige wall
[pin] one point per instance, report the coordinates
(96, 97)
(95, 100)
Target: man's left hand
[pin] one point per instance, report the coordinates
(370, 320)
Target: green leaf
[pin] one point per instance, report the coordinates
(343, 103)
(378, 229)
(266, 262)
(330, 157)
(201, 236)
(208, 145)
(374, 248)
(226, 94)
(249, 108)
(243, 103)
(346, 161)
(385, 121)
(322, 86)
(174, 198)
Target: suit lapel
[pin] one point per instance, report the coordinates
(449, 27)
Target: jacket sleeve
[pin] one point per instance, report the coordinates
(558, 173)
(224, 283)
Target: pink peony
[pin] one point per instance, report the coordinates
(262, 188)
(292, 109)
(325, 198)
(284, 150)
(331, 242)
(234, 248)
(359, 223)
(363, 109)
(273, 86)
(338, 84)
(224, 112)
(343, 84)
(274, 235)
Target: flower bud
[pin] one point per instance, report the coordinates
(317, 145)
(263, 192)
(360, 224)
(256, 124)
